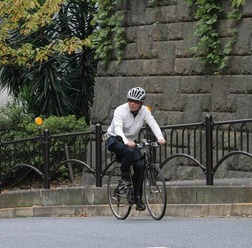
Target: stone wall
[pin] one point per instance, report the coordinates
(180, 88)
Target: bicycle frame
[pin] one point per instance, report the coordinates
(146, 147)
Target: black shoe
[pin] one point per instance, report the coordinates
(139, 204)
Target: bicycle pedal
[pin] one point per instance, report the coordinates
(125, 186)
(115, 197)
(155, 190)
(120, 193)
(123, 195)
(129, 186)
(124, 182)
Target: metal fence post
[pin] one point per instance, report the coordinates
(151, 137)
(98, 154)
(209, 150)
(46, 152)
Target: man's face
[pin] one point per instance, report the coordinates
(134, 105)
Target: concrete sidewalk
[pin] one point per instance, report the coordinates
(228, 197)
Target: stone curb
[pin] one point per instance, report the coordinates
(175, 210)
(98, 196)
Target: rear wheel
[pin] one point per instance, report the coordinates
(155, 192)
(119, 197)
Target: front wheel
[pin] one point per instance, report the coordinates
(155, 192)
(119, 198)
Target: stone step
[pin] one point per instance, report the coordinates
(182, 200)
(98, 195)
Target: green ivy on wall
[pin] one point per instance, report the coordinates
(209, 47)
(110, 36)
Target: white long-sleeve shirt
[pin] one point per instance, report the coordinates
(127, 126)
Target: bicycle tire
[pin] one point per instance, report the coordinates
(155, 192)
(120, 203)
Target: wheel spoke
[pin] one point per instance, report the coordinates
(118, 197)
(155, 192)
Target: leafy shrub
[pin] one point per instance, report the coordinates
(13, 121)
(58, 125)
(15, 124)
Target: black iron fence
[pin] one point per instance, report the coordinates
(206, 145)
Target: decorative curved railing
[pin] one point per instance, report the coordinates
(207, 145)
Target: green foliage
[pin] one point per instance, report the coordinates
(13, 121)
(59, 125)
(109, 35)
(44, 63)
(16, 124)
(28, 18)
(209, 47)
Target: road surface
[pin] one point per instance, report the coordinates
(134, 232)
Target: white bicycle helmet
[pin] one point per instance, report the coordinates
(137, 94)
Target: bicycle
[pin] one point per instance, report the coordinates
(120, 197)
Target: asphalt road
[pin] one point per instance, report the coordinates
(134, 232)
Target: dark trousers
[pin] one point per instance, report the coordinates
(128, 156)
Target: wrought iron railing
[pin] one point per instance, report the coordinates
(206, 145)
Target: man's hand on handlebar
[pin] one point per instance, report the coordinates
(161, 141)
(131, 144)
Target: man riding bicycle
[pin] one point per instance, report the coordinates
(127, 122)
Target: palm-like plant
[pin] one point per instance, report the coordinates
(63, 84)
